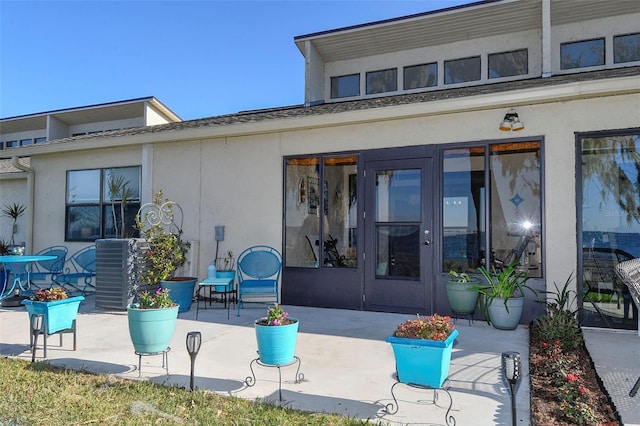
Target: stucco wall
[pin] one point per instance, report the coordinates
(12, 191)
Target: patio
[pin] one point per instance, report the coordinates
(348, 368)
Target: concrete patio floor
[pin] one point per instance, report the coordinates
(348, 367)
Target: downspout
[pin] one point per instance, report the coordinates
(31, 189)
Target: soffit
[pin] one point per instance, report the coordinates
(477, 20)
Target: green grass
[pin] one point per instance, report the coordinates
(41, 394)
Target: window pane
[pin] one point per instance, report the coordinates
(302, 218)
(25, 142)
(122, 181)
(420, 76)
(340, 232)
(462, 70)
(610, 226)
(398, 251)
(347, 85)
(83, 186)
(382, 81)
(516, 207)
(626, 48)
(463, 209)
(40, 140)
(11, 144)
(398, 195)
(508, 64)
(83, 223)
(114, 211)
(581, 54)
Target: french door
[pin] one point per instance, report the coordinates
(398, 225)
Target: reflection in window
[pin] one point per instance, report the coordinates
(462, 70)
(580, 54)
(382, 81)
(610, 225)
(332, 243)
(91, 211)
(512, 199)
(418, 76)
(626, 48)
(508, 64)
(345, 86)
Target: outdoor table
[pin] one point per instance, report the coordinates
(12, 265)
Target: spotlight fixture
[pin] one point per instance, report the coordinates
(511, 121)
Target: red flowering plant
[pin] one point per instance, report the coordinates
(434, 327)
(50, 294)
(574, 406)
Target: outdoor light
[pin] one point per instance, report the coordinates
(194, 339)
(512, 372)
(511, 121)
(36, 326)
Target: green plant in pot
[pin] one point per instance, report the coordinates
(276, 335)
(225, 266)
(462, 292)
(503, 296)
(167, 250)
(152, 321)
(13, 211)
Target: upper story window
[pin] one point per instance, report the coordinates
(95, 206)
(462, 70)
(25, 142)
(580, 54)
(40, 140)
(345, 86)
(626, 48)
(11, 144)
(508, 64)
(382, 81)
(417, 76)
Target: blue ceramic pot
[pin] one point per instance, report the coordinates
(422, 362)
(181, 291)
(277, 343)
(58, 314)
(151, 330)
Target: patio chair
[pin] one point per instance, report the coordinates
(259, 269)
(43, 273)
(629, 273)
(79, 271)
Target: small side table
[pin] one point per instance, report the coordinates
(222, 286)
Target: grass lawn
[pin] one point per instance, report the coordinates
(40, 394)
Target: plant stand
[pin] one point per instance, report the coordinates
(392, 407)
(165, 359)
(251, 380)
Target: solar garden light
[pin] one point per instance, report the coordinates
(194, 339)
(36, 326)
(512, 372)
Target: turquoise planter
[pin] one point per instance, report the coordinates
(58, 315)
(422, 362)
(151, 330)
(277, 343)
(225, 274)
(181, 291)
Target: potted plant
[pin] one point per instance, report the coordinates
(167, 251)
(422, 349)
(225, 266)
(276, 335)
(462, 292)
(13, 211)
(152, 321)
(58, 309)
(503, 296)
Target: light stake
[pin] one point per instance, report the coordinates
(512, 372)
(194, 339)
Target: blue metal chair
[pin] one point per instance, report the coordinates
(79, 271)
(259, 269)
(44, 272)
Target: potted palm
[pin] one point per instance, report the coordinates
(276, 335)
(503, 296)
(422, 349)
(167, 250)
(152, 321)
(462, 292)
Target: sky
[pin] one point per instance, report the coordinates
(200, 58)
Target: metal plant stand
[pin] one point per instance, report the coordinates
(165, 359)
(392, 407)
(251, 380)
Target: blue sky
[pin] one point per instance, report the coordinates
(200, 58)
